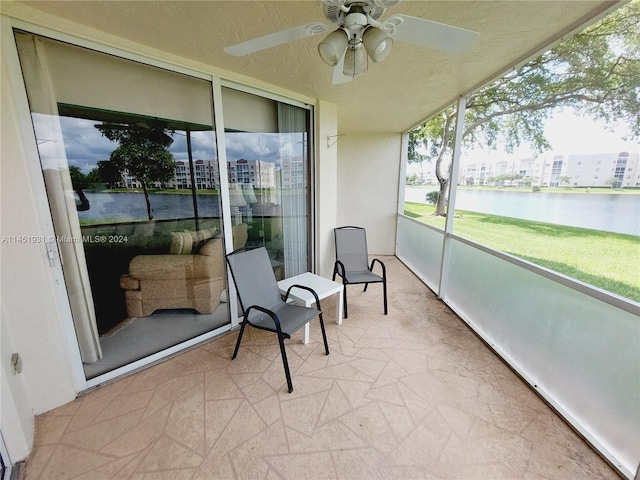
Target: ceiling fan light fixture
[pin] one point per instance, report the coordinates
(332, 48)
(377, 43)
(355, 61)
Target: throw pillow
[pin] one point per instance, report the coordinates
(187, 242)
(180, 243)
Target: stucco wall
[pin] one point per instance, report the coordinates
(368, 173)
(326, 188)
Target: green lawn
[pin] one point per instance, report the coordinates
(606, 260)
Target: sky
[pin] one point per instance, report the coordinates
(568, 133)
(84, 145)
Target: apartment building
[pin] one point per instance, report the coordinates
(621, 170)
(258, 173)
(616, 170)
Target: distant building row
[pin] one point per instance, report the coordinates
(256, 173)
(621, 170)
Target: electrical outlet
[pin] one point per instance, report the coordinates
(16, 363)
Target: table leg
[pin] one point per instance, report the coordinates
(305, 334)
(339, 301)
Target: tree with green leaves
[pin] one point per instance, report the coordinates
(108, 172)
(613, 182)
(596, 72)
(142, 153)
(501, 179)
(413, 179)
(564, 180)
(79, 183)
(78, 179)
(94, 176)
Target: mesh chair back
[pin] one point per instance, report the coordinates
(254, 278)
(351, 248)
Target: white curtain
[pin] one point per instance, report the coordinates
(292, 127)
(62, 203)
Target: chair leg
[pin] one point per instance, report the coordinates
(344, 301)
(235, 351)
(384, 288)
(285, 362)
(324, 334)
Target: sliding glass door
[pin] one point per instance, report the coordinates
(129, 158)
(268, 157)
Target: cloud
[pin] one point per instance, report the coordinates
(292, 145)
(253, 146)
(85, 145)
(203, 146)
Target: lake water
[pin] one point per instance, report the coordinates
(612, 213)
(120, 207)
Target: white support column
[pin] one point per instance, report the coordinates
(453, 188)
(404, 149)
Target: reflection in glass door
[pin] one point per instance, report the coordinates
(129, 158)
(267, 148)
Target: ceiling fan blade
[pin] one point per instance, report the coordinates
(275, 39)
(430, 34)
(338, 76)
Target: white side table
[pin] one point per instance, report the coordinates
(322, 286)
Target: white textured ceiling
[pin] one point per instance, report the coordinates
(411, 84)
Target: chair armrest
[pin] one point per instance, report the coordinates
(304, 287)
(273, 316)
(384, 270)
(212, 248)
(127, 282)
(338, 269)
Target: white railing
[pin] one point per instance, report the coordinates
(578, 350)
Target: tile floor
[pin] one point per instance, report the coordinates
(410, 395)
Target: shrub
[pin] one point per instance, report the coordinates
(432, 197)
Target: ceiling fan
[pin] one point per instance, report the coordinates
(360, 35)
